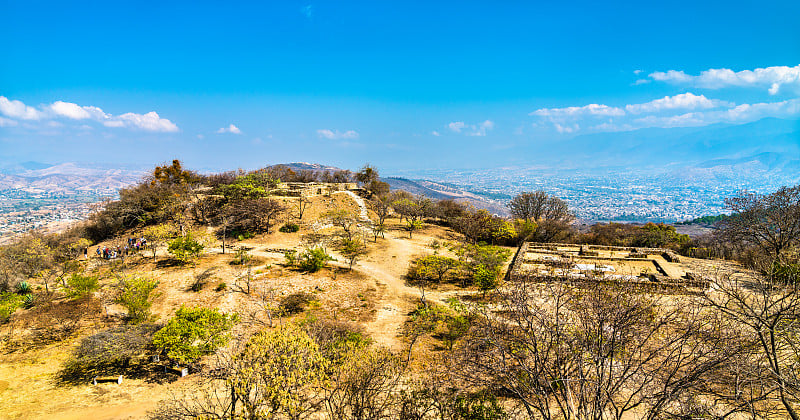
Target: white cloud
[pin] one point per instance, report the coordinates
(740, 114)
(566, 129)
(60, 109)
(637, 71)
(337, 135)
(772, 78)
(232, 129)
(578, 111)
(564, 120)
(148, 122)
(666, 112)
(683, 101)
(456, 126)
(5, 122)
(435, 133)
(471, 129)
(641, 82)
(18, 110)
(481, 129)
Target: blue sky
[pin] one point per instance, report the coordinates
(399, 84)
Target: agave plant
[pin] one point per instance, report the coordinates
(23, 288)
(28, 300)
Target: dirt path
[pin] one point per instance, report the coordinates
(387, 266)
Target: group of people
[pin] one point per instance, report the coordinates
(137, 243)
(134, 245)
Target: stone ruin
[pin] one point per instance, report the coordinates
(311, 189)
(647, 267)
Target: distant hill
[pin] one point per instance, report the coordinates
(441, 191)
(686, 146)
(67, 178)
(430, 189)
(305, 166)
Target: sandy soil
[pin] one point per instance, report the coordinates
(374, 295)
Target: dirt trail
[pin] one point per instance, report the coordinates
(387, 267)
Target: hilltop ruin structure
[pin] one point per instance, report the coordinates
(647, 267)
(311, 189)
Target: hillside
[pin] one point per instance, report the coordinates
(314, 291)
(68, 178)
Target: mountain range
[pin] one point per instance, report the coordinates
(771, 143)
(66, 178)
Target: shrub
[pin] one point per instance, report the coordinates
(23, 288)
(80, 285)
(8, 304)
(109, 351)
(314, 259)
(28, 300)
(290, 227)
(193, 333)
(220, 287)
(296, 302)
(135, 294)
(335, 336)
(291, 257)
(479, 406)
(185, 248)
(241, 257)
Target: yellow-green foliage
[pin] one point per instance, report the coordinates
(9, 302)
(363, 383)
(286, 368)
(193, 333)
(135, 294)
(432, 267)
(185, 249)
(80, 285)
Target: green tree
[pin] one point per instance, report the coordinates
(79, 285)
(313, 259)
(194, 332)
(158, 235)
(412, 225)
(503, 232)
(433, 267)
(278, 374)
(485, 278)
(352, 250)
(248, 187)
(185, 249)
(135, 294)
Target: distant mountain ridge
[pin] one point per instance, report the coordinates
(688, 146)
(66, 178)
(430, 189)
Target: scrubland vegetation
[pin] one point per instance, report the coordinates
(383, 304)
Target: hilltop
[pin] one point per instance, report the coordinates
(191, 284)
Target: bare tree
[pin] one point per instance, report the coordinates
(381, 205)
(767, 309)
(253, 215)
(363, 384)
(345, 220)
(529, 205)
(770, 222)
(594, 353)
(302, 204)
